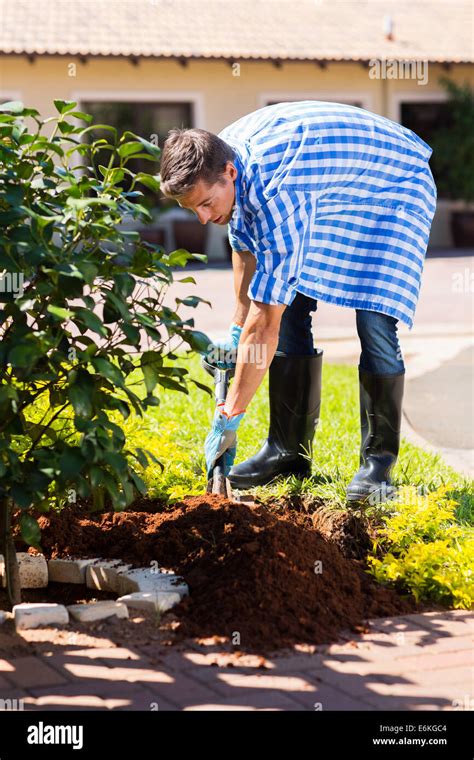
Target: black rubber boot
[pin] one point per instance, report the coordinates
(295, 401)
(380, 419)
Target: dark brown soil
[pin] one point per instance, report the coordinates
(253, 574)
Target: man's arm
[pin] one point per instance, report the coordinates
(257, 346)
(243, 264)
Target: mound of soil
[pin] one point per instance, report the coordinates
(273, 579)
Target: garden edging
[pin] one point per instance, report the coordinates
(141, 588)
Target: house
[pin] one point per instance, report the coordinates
(149, 65)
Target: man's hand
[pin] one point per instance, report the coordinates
(223, 353)
(222, 439)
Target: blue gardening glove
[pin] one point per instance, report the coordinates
(222, 439)
(224, 352)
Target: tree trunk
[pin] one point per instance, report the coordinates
(12, 573)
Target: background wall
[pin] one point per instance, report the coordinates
(221, 92)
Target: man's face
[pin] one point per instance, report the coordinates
(212, 203)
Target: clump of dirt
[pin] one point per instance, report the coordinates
(351, 532)
(260, 579)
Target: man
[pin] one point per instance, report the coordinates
(324, 202)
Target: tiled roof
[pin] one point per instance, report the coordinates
(434, 30)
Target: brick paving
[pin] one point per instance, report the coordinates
(417, 662)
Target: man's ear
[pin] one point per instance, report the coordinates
(231, 170)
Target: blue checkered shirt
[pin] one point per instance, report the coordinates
(334, 202)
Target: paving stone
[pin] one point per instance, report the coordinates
(68, 570)
(99, 688)
(172, 661)
(442, 696)
(143, 700)
(323, 698)
(228, 682)
(372, 686)
(33, 570)
(64, 661)
(151, 601)
(391, 625)
(360, 678)
(189, 659)
(437, 660)
(385, 646)
(409, 667)
(295, 662)
(327, 698)
(96, 695)
(5, 666)
(60, 701)
(39, 614)
(460, 675)
(104, 575)
(93, 653)
(12, 699)
(129, 674)
(143, 579)
(182, 690)
(441, 623)
(92, 611)
(33, 672)
(250, 701)
(4, 684)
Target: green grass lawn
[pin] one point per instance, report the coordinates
(175, 432)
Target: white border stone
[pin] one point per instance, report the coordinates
(39, 614)
(104, 575)
(146, 580)
(92, 611)
(151, 601)
(33, 570)
(68, 570)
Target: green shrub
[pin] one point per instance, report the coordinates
(453, 145)
(426, 550)
(81, 307)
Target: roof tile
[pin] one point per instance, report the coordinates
(434, 30)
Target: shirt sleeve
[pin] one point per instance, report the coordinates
(266, 287)
(238, 242)
(282, 236)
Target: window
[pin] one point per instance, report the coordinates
(425, 119)
(146, 120)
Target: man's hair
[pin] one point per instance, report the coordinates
(190, 155)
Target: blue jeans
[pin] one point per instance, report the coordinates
(380, 349)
